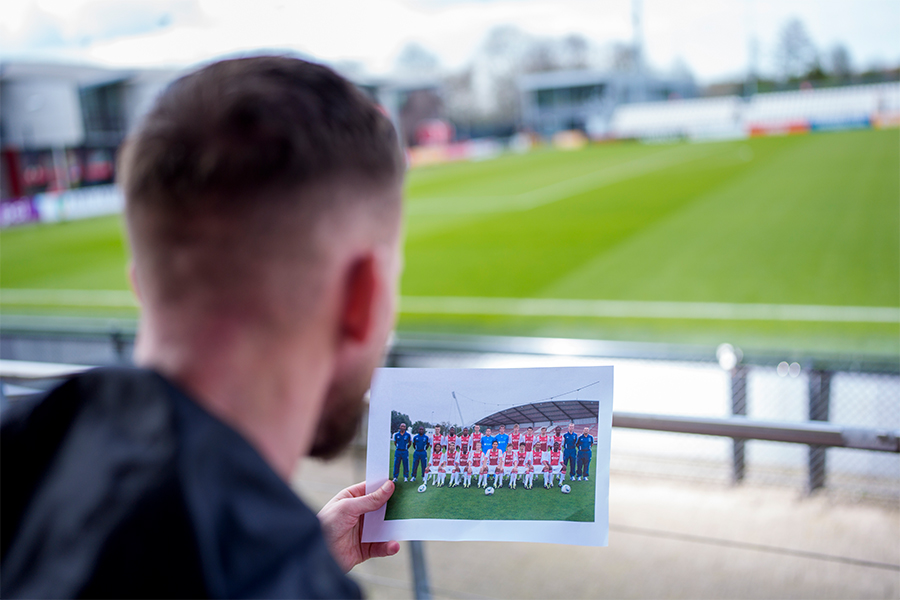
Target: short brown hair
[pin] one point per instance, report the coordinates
(228, 155)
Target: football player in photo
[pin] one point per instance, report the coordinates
(464, 439)
(547, 473)
(521, 459)
(515, 437)
(495, 462)
(557, 438)
(528, 439)
(483, 475)
(537, 457)
(437, 457)
(451, 438)
(476, 439)
(555, 464)
(442, 473)
(450, 459)
(509, 463)
(529, 476)
(464, 463)
(543, 439)
(502, 438)
(486, 441)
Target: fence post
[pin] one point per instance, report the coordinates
(421, 589)
(819, 400)
(738, 407)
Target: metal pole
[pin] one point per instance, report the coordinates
(421, 590)
(738, 407)
(819, 400)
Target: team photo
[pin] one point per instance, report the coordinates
(494, 444)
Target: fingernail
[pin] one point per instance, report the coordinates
(386, 486)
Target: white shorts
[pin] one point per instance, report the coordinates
(507, 470)
(432, 470)
(557, 469)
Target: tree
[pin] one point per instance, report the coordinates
(839, 64)
(417, 424)
(397, 418)
(795, 54)
(416, 61)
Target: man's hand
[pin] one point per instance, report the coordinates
(342, 520)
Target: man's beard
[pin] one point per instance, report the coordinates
(340, 418)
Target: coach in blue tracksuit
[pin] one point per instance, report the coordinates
(486, 441)
(570, 441)
(401, 452)
(584, 444)
(420, 453)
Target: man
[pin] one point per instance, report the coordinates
(585, 443)
(437, 459)
(543, 439)
(420, 453)
(502, 438)
(263, 209)
(570, 439)
(476, 439)
(451, 438)
(515, 438)
(402, 440)
(487, 441)
(464, 440)
(528, 439)
(494, 459)
(437, 437)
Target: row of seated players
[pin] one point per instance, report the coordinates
(501, 456)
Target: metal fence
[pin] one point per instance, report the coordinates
(697, 391)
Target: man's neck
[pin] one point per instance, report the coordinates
(271, 396)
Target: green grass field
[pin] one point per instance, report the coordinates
(536, 504)
(808, 220)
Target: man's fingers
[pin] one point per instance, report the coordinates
(381, 549)
(370, 502)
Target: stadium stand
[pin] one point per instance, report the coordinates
(763, 114)
(537, 414)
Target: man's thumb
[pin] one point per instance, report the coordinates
(373, 501)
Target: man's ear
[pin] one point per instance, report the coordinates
(132, 278)
(360, 291)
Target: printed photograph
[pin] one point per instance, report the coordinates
(494, 444)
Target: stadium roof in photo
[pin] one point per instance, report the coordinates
(538, 412)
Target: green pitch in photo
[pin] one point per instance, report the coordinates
(520, 504)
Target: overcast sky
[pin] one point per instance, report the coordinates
(711, 36)
(427, 394)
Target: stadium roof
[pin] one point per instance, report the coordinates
(538, 412)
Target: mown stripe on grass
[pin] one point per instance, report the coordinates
(558, 307)
(559, 190)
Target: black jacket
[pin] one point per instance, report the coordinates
(118, 484)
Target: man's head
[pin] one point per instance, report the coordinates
(465, 431)
(487, 432)
(477, 428)
(571, 427)
(503, 429)
(543, 430)
(530, 430)
(495, 444)
(263, 200)
(402, 427)
(421, 430)
(516, 428)
(453, 431)
(587, 430)
(558, 430)
(437, 430)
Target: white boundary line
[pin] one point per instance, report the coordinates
(529, 307)
(555, 307)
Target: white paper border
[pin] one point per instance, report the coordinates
(376, 529)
